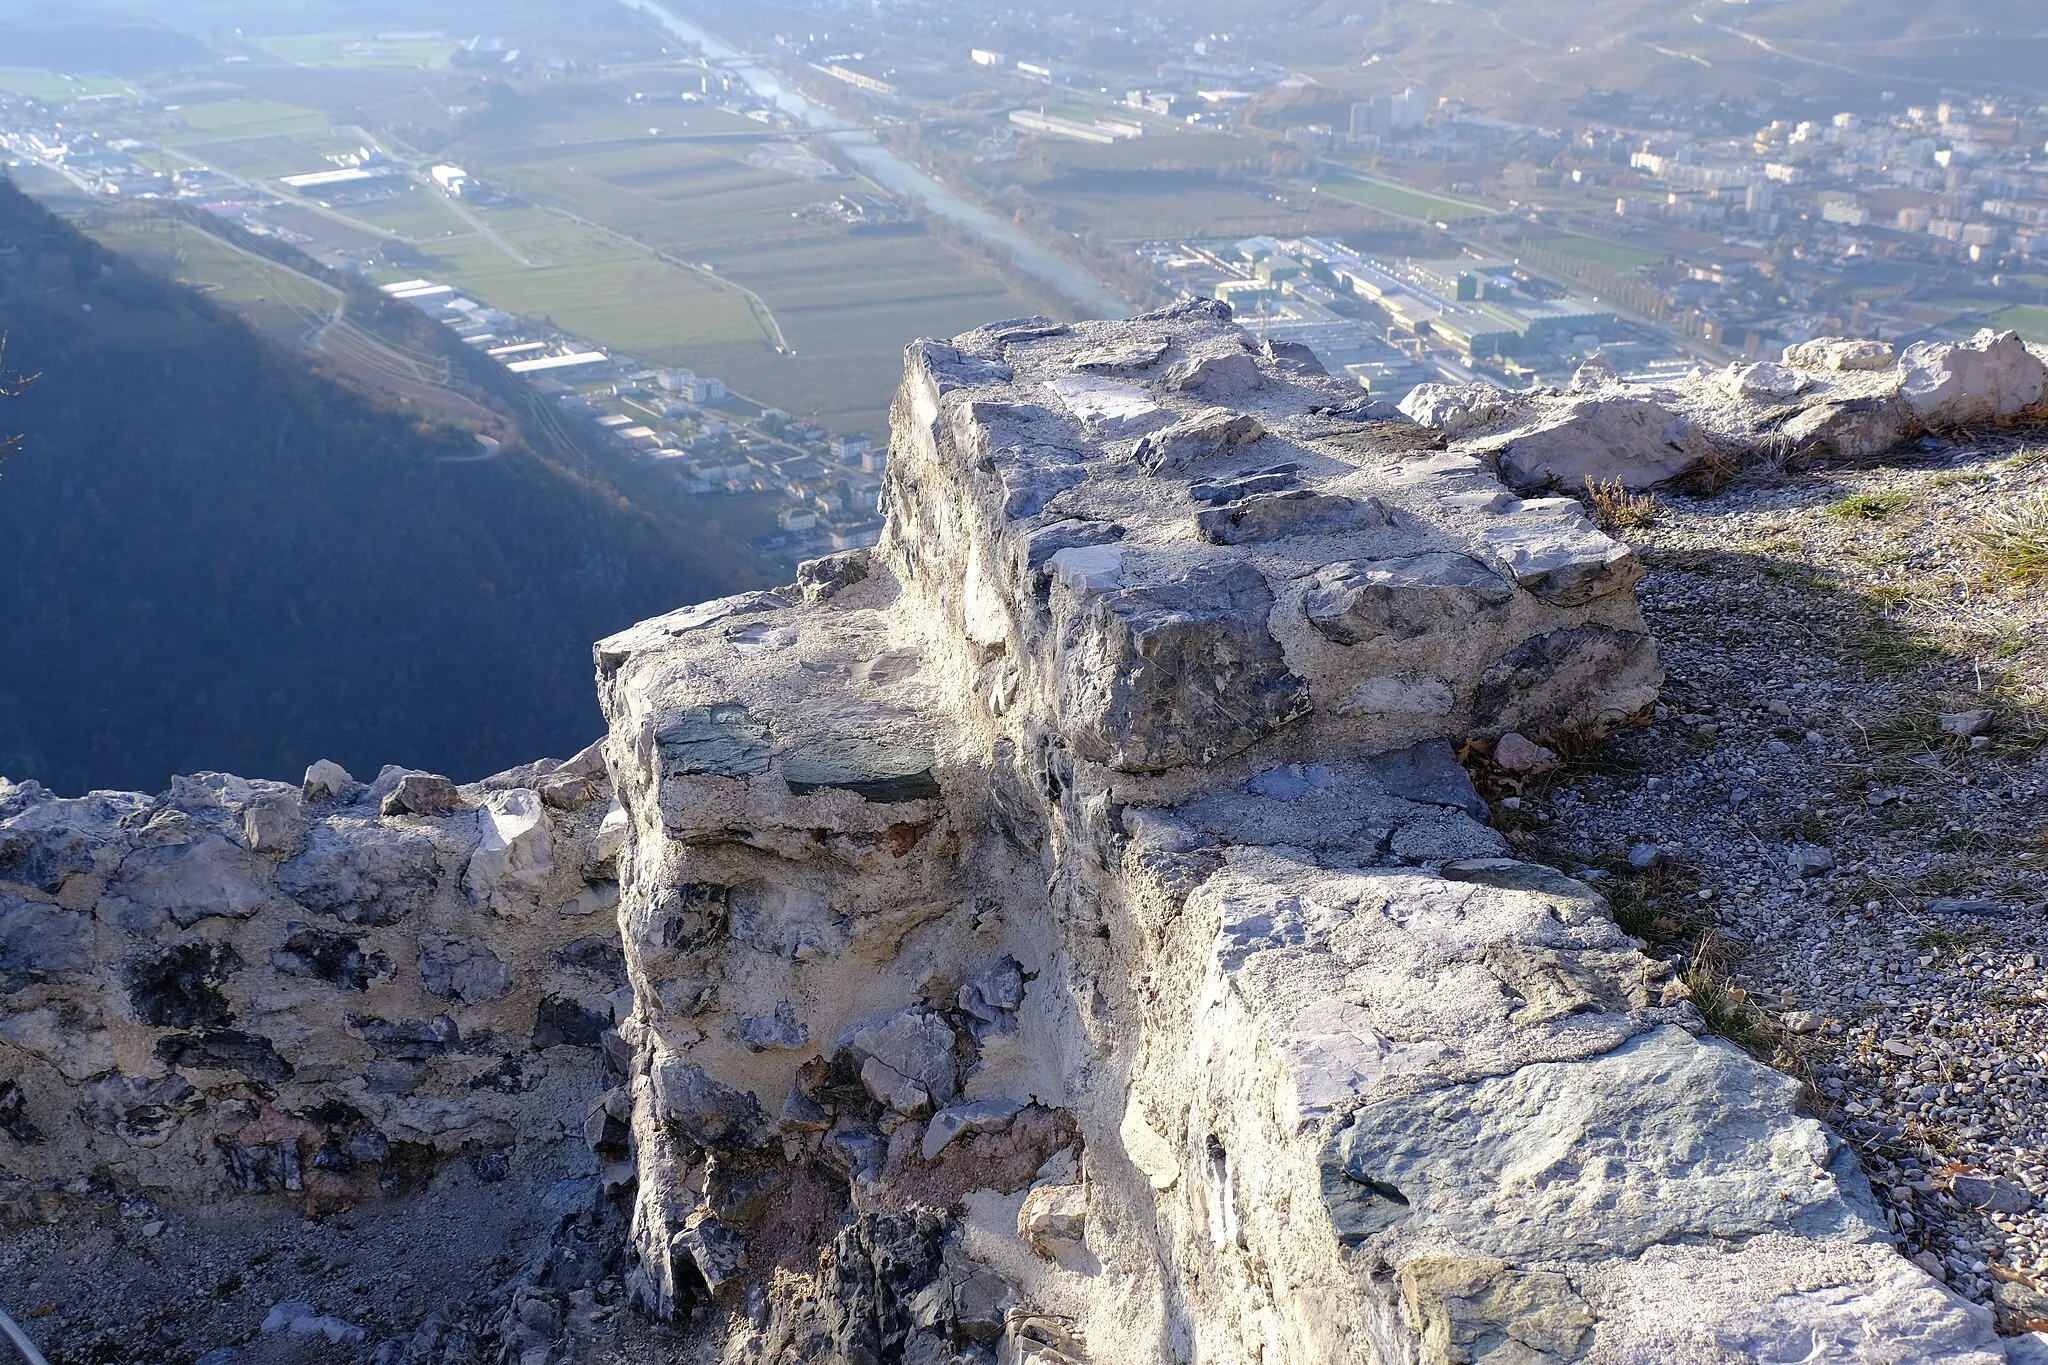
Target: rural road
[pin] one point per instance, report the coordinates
(893, 173)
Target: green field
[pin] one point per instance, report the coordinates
(244, 118)
(847, 302)
(1162, 145)
(274, 299)
(848, 306)
(266, 157)
(2029, 320)
(55, 88)
(599, 288)
(1609, 254)
(1400, 202)
(683, 197)
(418, 215)
(1158, 203)
(359, 50)
(583, 120)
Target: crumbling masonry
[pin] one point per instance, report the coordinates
(1062, 933)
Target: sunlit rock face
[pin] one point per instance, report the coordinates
(1065, 932)
(315, 994)
(1828, 399)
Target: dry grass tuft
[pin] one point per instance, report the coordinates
(1869, 506)
(2015, 542)
(1617, 509)
(1724, 1006)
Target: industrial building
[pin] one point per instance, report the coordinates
(1472, 306)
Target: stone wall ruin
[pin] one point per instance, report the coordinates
(318, 992)
(1062, 933)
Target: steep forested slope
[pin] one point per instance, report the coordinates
(212, 556)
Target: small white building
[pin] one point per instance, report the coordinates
(452, 179)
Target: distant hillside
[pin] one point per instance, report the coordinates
(212, 556)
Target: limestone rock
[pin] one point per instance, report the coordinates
(1765, 381)
(1275, 516)
(907, 1060)
(1182, 672)
(188, 882)
(697, 1105)
(1551, 547)
(1541, 684)
(1356, 601)
(140, 1109)
(1192, 440)
(327, 781)
(1831, 398)
(233, 1050)
(1993, 377)
(223, 960)
(1809, 860)
(976, 1116)
(1148, 1151)
(1464, 410)
(1518, 754)
(1053, 1218)
(515, 857)
(421, 794)
(1730, 1152)
(1839, 353)
(462, 970)
(1612, 436)
(781, 1029)
(75, 1041)
(40, 942)
(361, 874)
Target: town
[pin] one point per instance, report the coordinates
(1395, 219)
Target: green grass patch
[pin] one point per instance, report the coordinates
(54, 87)
(1943, 941)
(359, 50)
(225, 119)
(274, 299)
(1723, 1005)
(847, 302)
(1402, 203)
(2029, 320)
(1900, 817)
(1890, 648)
(1869, 506)
(2015, 542)
(417, 215)
(265, 156)
(597, 287)
(1618, 258)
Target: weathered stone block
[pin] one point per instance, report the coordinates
(1185, 671)
(1360, 600)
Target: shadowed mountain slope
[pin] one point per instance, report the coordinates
(212, 556)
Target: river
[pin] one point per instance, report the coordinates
(893, 173)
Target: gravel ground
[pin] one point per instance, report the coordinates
(437, 1277)
(1832, 832)
(1831, 836)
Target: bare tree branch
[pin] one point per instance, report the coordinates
(11, 386)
